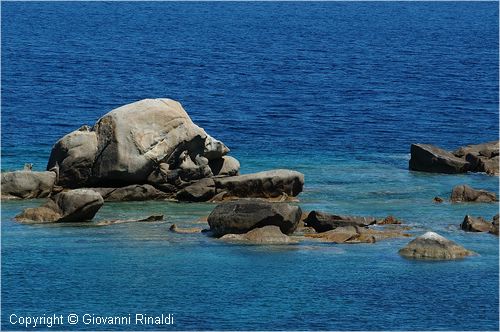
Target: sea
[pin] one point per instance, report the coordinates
(336, 90)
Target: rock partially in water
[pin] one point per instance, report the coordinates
(265, 184)
(494, 225)
(133, 192)
(241, 216)
(438, 200)
(27, 184)
(175, 229)
(464, 193)
(471, 158)
(127, 144)
(152, 218)
(69, 206)
(261, 235)
(473, 224)
(323, 222)
(430, 158)
(434, 246)
(356, 234)
(389, 220)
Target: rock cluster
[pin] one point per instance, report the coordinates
(472, 158)
(148, 150)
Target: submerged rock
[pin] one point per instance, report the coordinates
(244, 215)
(27, 184)
(323, 222)
(175, 229)
(152, 218)
(356, 234)
(68, 206)
(261, 235)
(438, 200)
(433, 246)
(464, 193)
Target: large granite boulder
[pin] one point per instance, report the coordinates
(464, 193)
(135, 192)
(323, 222)
(27, 184)
(68, 206)
(129, 143)
(261, 235)
(473, 224)
(241, 216)
(265, 184)
(429, 158)
(433, 246)
(225, 166)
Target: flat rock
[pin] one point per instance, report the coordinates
(152, 218)
(429, 158)
(183, 230)
(262, 235)
(433, 246)
(265, 184)
(133, 192)
(464, 193)
(323, 222)
(241, 216)
(27, 184)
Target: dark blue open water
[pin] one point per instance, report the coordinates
(337, 91)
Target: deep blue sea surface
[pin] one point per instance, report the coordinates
(335, 90)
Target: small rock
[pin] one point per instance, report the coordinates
(192, 230)
(433, 246)
(323, 222)
(472, 224)
(389, 220)
(438, 200)
(261, 235)
(464, 193)
(494, 225)
(244, 215)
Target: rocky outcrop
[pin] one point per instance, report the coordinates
(241, 216)
(473, 224)
(129, 143)
(323, 222)
(433, 246)
(429, 158)
(68, 206)
(133, 192)
(471, 158)
(262, 235)
(154, 143)
(266, 184)
(27, 184)
(464, 193)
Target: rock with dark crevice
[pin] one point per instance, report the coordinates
(323, 222)
(241, 216)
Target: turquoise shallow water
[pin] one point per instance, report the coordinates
(337, 91)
